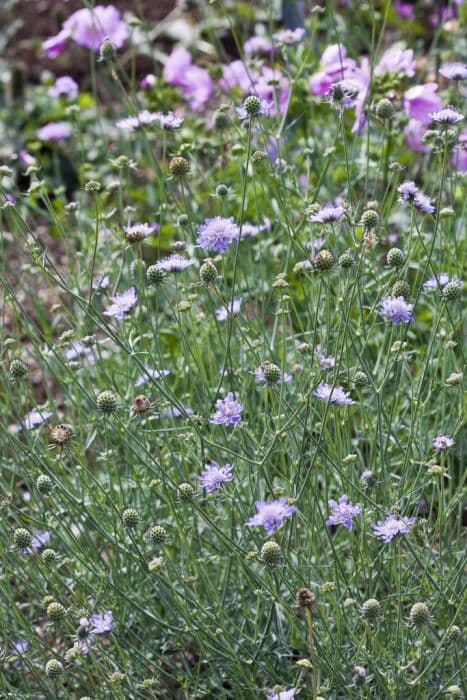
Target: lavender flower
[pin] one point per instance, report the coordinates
(396, 309)
(443, 442)
(328, 213)
(454, 70)
(89, 28)
(228, 411)
(102, 623)
(77, 349)
(122, 304)
(128, 123)
(217, 233)
(447, 115)
(64, 86)
(258, 45)
(149, 374)
(263, 110)
(223, 312)
(140, 230)
(169, 121)
(38, 540)
(148, 81)
(54, 131)
(262, 379)
(343, 512)
(420, 100)
(288, 694)
(289, 36)
(410, 193)
(250, 230)
(325, 362)
(84, 636)
(433, 283)
(21, 647)
(100, 282)
(175, 263)
(336, 395)
(35, 418)
(387, 529)
(214, 476)
(271, 514)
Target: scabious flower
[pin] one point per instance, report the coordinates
(64, 86)
(396, 61)
(150, 374)
(459, 153)
(261, 378)
(21, 647)
(140, 230)
(217, 233)
(54, 131)
(447, 115)
(271, 514)
(84, 636)
(175, 263)
(287, 694)
(89, 28)
(343, 512)
(169, 121)
(195, 82)
(35, 418)
(228, 411)
(258, 45)
(396, 309)
(443, 442)
(414, 132)
(250, 230)
(336, 395)
(404, 9)
(409, 193)
(100, 282)
(122, 304)
(263, 109)
(214, 476)
(325, 362)
(38, 540)
(433, 283)
(334, 66)
(289, 36)
(223, 312)
(454, 70)
(387, 529)
(102, 623)
(420, 100)
(328, 213)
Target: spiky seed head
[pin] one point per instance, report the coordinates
(419, 614)
(395, 258)
(453, 634)
(360, 379)
(107, 50)
(272, 373)
(346, 260)
(158, 534)
(252, 105)
(135, 235)
(370, 609)
(53, 668)
(221, 120)
(107, 401)
(370, 219)
(18, 370)
(185, 492)
(401, 288)
(60, 434)
(179, 166)
(384, 109)
(155, 275)
(44, 484)
(222, 190)
(271, 553)
(323, 261)
(130, 517)
(141, 404)
(22, 538)
(208, 272)
(305, 598)
(56, 611)
(452, 291)
(49, 556)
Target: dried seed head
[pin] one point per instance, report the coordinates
(323, 261)
(60, 434)
(141, 404)
(305, 598)
(179, 166)
(419, 614)
(18, 370)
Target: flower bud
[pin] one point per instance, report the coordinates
(370, 219)
(208, 272)
(158, 534)
(141, 404)
(384, 109)
(44, 484)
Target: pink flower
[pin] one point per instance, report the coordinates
(236, 74)
(419, 101)
(414, 132)
(195, 82)
(459, 154)
(393, 61)
(89, 27)
(273, 93)
(176, 65)
(64, 86)
(148, 81)
(54, 131)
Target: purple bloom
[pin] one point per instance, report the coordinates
(102, 623)
(54, 131)
(214, 476)
(328, 213)
(261, 378)
(396, 309)
(420, 100)
(34, 418)
(336, 395)
(26, 158)
(387, 529)
(148, 81)
(223, 312)
(38, 540)
(432, 283)
(459, 154)
(21, 647)
(101, 282)
(89, 28)
(175, 263)
(289, 36)
(228, 411)
(128, 123)
(343, 512)
(325, 362)
(236, 74)
(64, 86)
(217, 233)
(454, 70)
(447, 115)
(150, 374)
(443, 442)
(288, 694)
(169, 121)
(264, 110)
(84, 636)
(396, 61)
(271, 514)
(414, 132)
(139, 228)
(258, 45)
(195, 82)
(409, 192)
(335, 66)
(122, 304)
(250, 230)
(405, 9)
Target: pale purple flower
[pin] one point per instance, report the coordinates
(420, 100)
(328, 213)
(334, 66)
(143, 118)
(236, 74)
(38, 540)
(148, 81)
(459, 153)
(150, 374)
(433, 283)
(336, 395)
(250, 230)
(21, 647)
(393, 525)
(287, 694)
(223, 312)
(144, 229)
(175, 263)
(54, 131)
(396, 309)
(289, 36)
(404, 9)
(195, 82)
(272, 86)
(175, 412)
(128, 123)
(122, 304)
(343, 512)
(314, 246)
(26, 158)
(64, 86)
(258, 45)
(214, 476)
(100, 282)
(77, 349)
(396, 61)
(325, 362)
(443, 442)
(102, 623)
(265, 109)
(84, 636)
(271, 514)
(409, 192)
(217, 233)
(146, 118)
(454, 70)
(169, 121)
(447, 115)
(228, 411)
(35, 418)
(414, 132)
(89, 28)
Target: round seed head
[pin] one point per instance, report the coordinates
(305, 598)
(49, 556)
(401, 288)
(221, 120)
(384, 109)
(22, 538)
(60, 434)
(271, 553)
(179, 166)
(18, 369)
(130, 517)
(141, 404)
(107, 50)
(185, 492)
(419, 614)
(158, 534)
(56, 611)
(452, 291)
(395, 258)
(107, 401)
(222, 190)
(53, 669)
(346, 260)
(370, 219)
(272, 373)
(323, 261)
(155, 275)
(155, 565)
(453, 635)
(252, 105)
(370, 609)
(44, 484)
(208, 272)
(360, 379)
